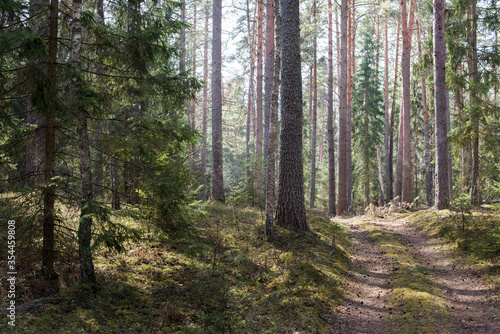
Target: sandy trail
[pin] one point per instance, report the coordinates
(472, 305)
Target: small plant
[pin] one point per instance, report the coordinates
(462, 205)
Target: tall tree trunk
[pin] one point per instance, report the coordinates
(330, 129)
(217, 173)
(442, 190)
(291, 212)
(193, 102)
(204, 121)
(87, 273)
(259, 132)
(350, 76)
(407, 29)
(250, 106)
(473, 100)
(427, 138)
(388, 165)
(49, 191)
(342, 201)
(271, 115)
(314, 113)
(390, 190)
(398, 182)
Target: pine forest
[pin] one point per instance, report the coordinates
(249, 166)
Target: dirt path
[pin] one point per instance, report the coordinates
(470, 305)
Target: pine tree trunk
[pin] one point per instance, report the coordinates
(350, 76)
(330, 128)
(49, 191)
(250, 106)
(342, 201)
(442, 191)
(407, 29)
(291, 212)
(271, 113)
(217, 173)
(473, 100)
(193, 102)
(314, 114)
(391, 190)
(259, 132)
(388, 165)
(204, 122)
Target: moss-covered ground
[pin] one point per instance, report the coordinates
(475, 235)
(217, 274)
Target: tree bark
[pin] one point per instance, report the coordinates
(388, 165)
(250, 106)
(259, 128)
(204, 121)
(330, 127)
(217, 172)
(290, 211)
(390, 190)
(314, 113)
(350, 76)
(342, 201)
(442, 190)
(271, 114)
(473, 100)
(407, 29)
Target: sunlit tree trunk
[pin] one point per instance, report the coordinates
(388, 165)
(391, 190)
(217, 172)
(290, 211)
(204, 122)
(442, 190)
(473, 100)
(351, 69)
(259, 128)
(407, 29)
(250, 105)
(330, 127)
(271, 115)
(314, 114)
(342, 201)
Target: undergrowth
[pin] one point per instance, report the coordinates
(214, 275)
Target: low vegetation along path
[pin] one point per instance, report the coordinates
(404, 281)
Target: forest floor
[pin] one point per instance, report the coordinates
(384, 272)
(404, 280)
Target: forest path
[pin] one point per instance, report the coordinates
(404, 281)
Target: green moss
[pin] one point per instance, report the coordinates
(415, 303)
(215, 275)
